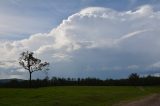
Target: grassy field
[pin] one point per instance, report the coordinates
(72, 95)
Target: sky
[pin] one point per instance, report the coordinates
(81, 38)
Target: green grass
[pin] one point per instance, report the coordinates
(72, 95)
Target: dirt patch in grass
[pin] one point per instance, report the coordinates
(152, 100)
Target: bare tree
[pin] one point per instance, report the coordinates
(32, 64)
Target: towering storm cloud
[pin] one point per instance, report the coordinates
(96, 42)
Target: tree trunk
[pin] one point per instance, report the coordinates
(30, 79)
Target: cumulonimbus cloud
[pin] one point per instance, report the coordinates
(96, 37)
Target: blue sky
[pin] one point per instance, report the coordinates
(81, 38)
(36, 16)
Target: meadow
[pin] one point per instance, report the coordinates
(73, 95)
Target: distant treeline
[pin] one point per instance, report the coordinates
(132, 80)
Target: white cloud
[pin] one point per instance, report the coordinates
(95, 37)
(133, 67)
(155, 65)
(156, 74)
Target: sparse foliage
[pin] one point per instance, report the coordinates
(32, 64)
(133, 78)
